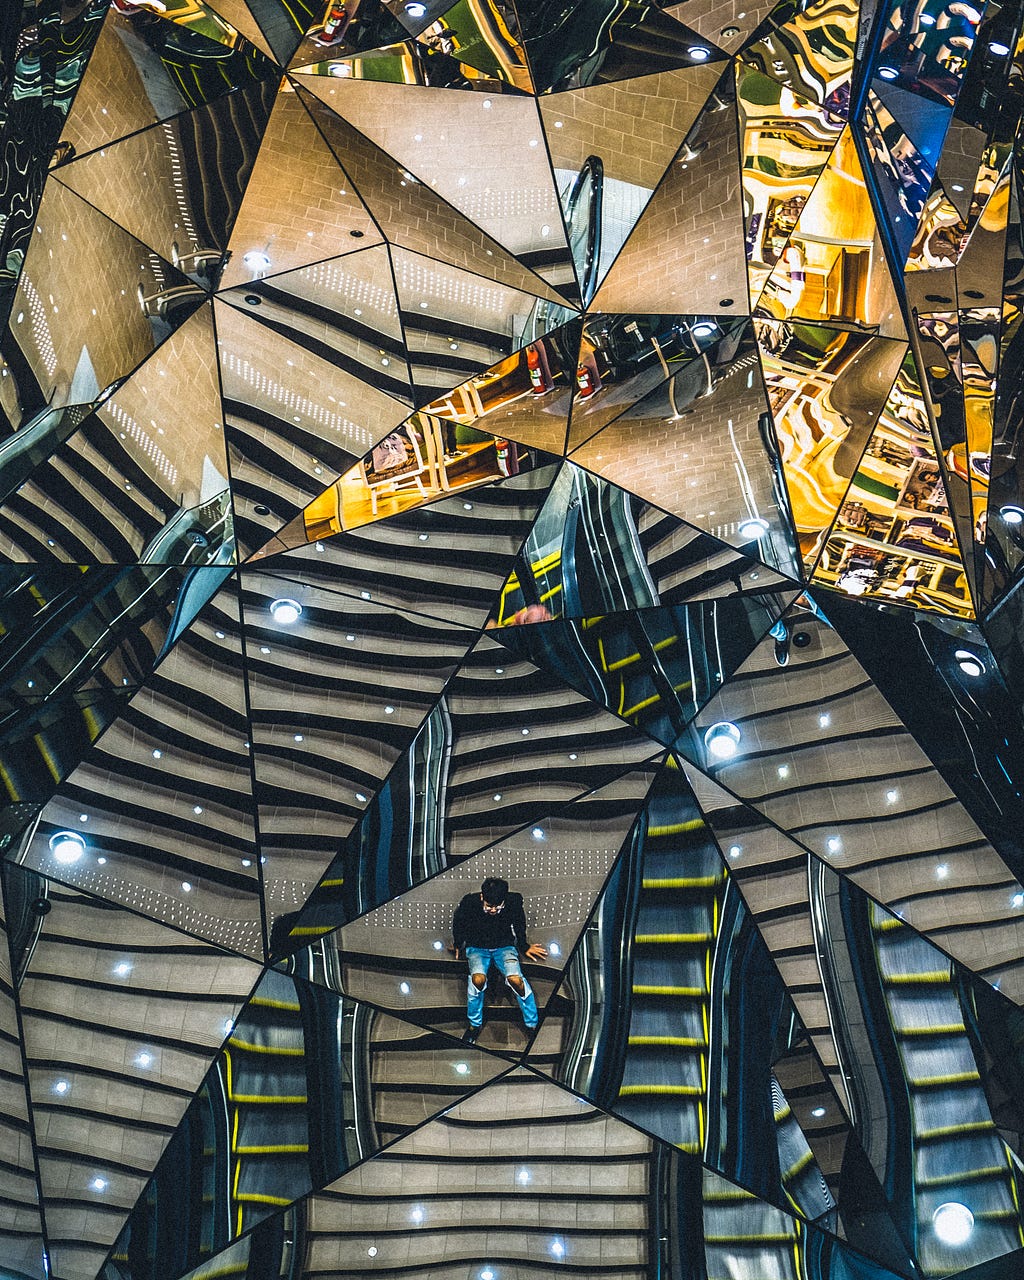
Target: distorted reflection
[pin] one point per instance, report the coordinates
(786, 140)
(811, 51)
(424, 459)
(598, 549)
(826, 388)
(307, 1085)
(653, 668)
(893, 537)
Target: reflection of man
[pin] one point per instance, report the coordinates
(490, 928)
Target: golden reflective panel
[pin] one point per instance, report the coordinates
(893, 538)
(826, 388)
(527, 395)
(812, 51)
(832, 265)
(424, 459)
(940, 234)
(786, 140)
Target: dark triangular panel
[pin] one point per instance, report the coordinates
(656, 667)
(155, 829)
(439, 806)
(121, 1017)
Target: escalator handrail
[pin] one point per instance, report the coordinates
(594, 169)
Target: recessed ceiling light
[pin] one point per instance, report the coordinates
(953, 1223)
(722, 740)
(286, 612)
(67, 847)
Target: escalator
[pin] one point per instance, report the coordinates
(746, 1239)
(958, 1154)
(268, 1105)
(665, 1081)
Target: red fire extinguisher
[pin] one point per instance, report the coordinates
(335, 22)
(540, 378)
(585, 381)
(508, 458)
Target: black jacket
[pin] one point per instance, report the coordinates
(473, 927)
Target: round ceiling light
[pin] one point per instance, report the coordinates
(722, 740)
(953, 1222)
(753, 528)
(67, 847)
(286, 612)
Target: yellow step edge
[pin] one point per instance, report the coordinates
(683, 1042)
(684, 882)
(951, 1130)
(678, 828)
(935, 1082)
(281, 1149)
(265, 1002)
(691, 992)
(671, 937)
(266, 1100)
(927, 978)
(676, 1090)
(275, 1050)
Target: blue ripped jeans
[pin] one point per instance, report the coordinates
(506, 959)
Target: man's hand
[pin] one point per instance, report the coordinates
(454, 951)
(536, 952)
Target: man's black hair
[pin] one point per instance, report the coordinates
(494, 891)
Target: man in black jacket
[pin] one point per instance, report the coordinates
(490, 928)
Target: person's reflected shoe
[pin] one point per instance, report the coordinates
(782, 646)
(469, 1036)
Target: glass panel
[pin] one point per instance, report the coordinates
(736, 492)
(409, 212)
(832, 267)
(121, 1018)
(605, 179)
(811, 51)
(392, 953)
(894, 538)
(808, 717)
(299, 206)
(656, 667)
(294, 417)
(336, 695)
(685, 253)
(593, 42)
(144, 478)
(144, 69)
(597, 549)
(186, 855)
(421, 460)
(156, 185)
(447, 560)
(666, 1039)
(307, 1085)
(138, 301)
(827, 388)
(528, 394)
(439, 806)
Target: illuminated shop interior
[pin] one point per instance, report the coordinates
(576, 443)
